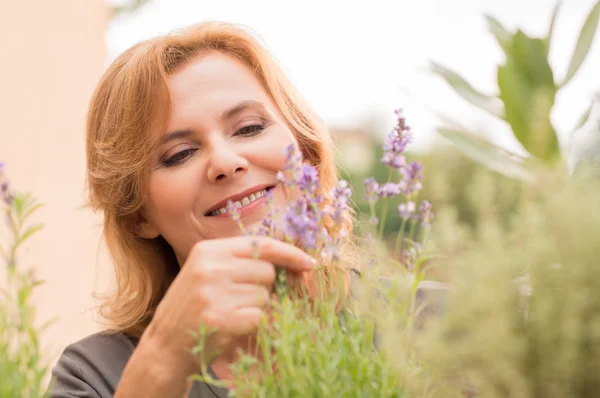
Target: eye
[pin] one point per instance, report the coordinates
(250, 131)
(179, 157)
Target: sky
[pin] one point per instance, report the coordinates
(357, 61)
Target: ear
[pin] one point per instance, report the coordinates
(146, 229)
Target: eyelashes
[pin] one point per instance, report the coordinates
(250, 131)
(183, 155)
(179, 157)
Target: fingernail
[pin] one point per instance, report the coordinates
(312, 262)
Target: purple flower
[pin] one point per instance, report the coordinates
(291, 167)
(425, 212)
(267, 227)
(390, 189)
(407, 209)
(374, 220)
(340, 196)
(393, 160)
(412, 175)
(292, 156)
(232, 210)
(7, 197)
(342, 193)
(371, 190)
(396, 142)
(301, 223)
(308, 179)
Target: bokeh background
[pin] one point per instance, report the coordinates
(355, 61)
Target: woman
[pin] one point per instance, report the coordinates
(178, 126)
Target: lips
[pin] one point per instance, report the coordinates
(239, 200)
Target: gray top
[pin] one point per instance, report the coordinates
(92, 367)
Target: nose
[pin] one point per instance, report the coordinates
(225, 163)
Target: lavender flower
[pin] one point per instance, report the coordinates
(371, 190)
(5, 193)
(267, 227)
(308, 179)
(233, 212)
(393, 160)
(407, 209)
(340, 197)
(301, 223)
(425, 212)
(293, 160)
(396, 143)
(412, 176)
(391, 189)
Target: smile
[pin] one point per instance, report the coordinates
(238, 204)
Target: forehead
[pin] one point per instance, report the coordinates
(212, 81)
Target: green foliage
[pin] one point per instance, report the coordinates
(586, 35)
(523, 317)
(527, 89)
(129, 7)
(23, 369)
(326, 354)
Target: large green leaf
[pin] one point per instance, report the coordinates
(552, 23)
(488, 154)
(502, 35)
(486, 102)
(527, 89)
(586, 36)
(585, 116)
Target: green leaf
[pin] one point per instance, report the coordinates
(502, 35)
(30, 231)
(584, 117)
(527, 88)
(31, 208)
(586, 36)
(465, 90)
(552, 23)
(488, 154)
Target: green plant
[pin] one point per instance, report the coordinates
(527, 87)
(318, 341)
(23, 370)
(523, 317)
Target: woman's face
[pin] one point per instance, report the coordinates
(225, 140)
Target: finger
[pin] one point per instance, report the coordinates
(248, 295)
(244, 321)
(274, 251)
(253, 271)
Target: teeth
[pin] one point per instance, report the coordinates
(240, 203)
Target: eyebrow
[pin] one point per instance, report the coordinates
(241, 107)
(227, 114)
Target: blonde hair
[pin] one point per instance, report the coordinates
(131, 104)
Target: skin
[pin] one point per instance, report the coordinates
(205, 158)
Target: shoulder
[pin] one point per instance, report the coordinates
(91, 367)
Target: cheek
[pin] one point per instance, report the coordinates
(171, 194)
(270, 150)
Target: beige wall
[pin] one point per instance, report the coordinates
(51, 56)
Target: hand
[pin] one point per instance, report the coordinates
(221, 286)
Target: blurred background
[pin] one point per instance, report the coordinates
(354, 61)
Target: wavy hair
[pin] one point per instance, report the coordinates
(131, 104)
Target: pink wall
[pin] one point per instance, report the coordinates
(52, 55)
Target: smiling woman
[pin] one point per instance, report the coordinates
(179, 126)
